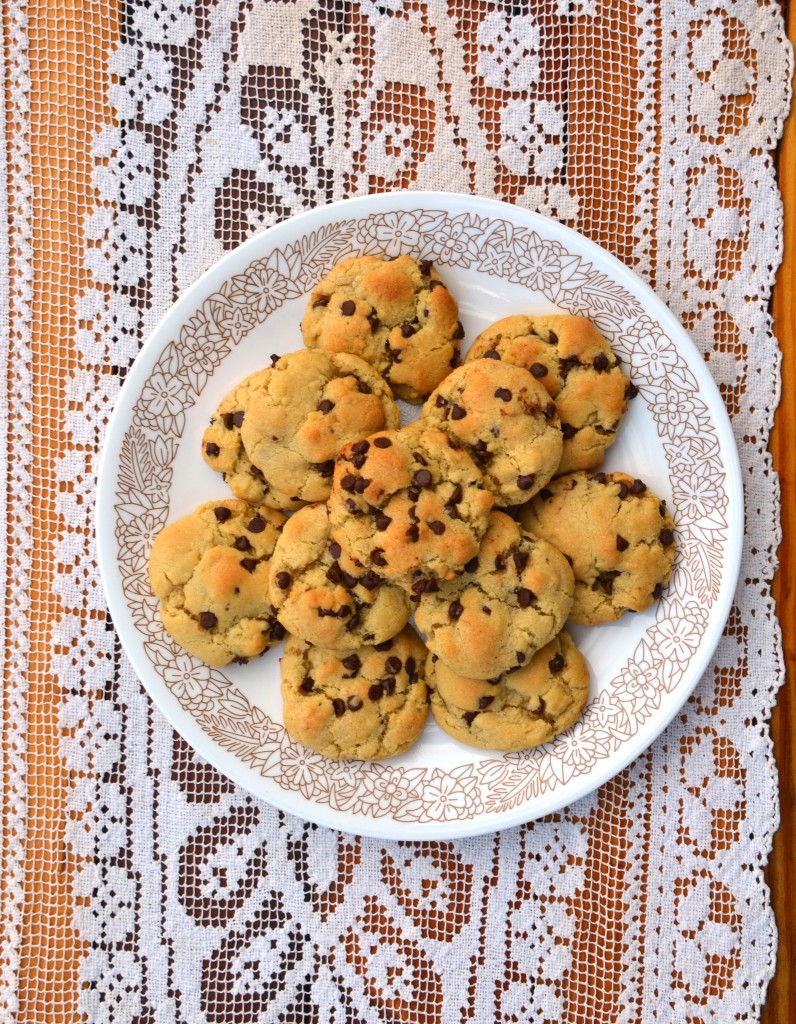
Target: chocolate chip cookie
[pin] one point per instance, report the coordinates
(369, 704)
(310, 405)
(517, 710)
(396, 314)
(409, 504)
(506, 421)
(512, 598)
(210, 572)
(575, 363)
(618, 536)
(322, 596)
(223, 451)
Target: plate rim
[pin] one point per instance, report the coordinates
(387, 827)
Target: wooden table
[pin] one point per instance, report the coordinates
(49, 951)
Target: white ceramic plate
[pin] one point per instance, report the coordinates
(497, 260)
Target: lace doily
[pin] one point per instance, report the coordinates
(650, 129)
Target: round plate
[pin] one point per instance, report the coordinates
(497, 260)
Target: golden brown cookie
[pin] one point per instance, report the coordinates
(575, 363)
(409, 504)
(210, 572)
(618, 536)
(368, 704)
(305, 410)
(513, 598)
(396, 314)
(506, 421)
(322, 596)
(517, 710)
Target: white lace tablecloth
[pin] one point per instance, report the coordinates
(650, 127)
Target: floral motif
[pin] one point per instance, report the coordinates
(508, 55)
(496, 247)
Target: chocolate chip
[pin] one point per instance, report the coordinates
(552, 338)
(242, 544)
(423, 477)
(363, 387)
(348, 482)
(500, 563)
(226, 419)
(249, 564)
(343, 613)
(283, 580)
(212, 450)
(435, 284)
(621, 543)
(360, 447)
(256, 525)
(556, 663)
(237, 418)
(425, 267)
(335, 550)
(362, 484)
(389, 685)
(451, 510)
(486, 609)
(458, 334)
(472, 565)
(358, 461)
(481, 451)
(326, 406)
(339, 707)
(605, 582)
(326, 469)
(491, 354)
(525, 482)
(376, 691)
(567, 365)
(468, 716)
(334, 574)
(349, 580)
(370, 580)
(638, 487)
(307, 684)
(348, 308)
(322, 300)
(539, 370)
(413, 493)
(415, 518)
(568, 431)
(407, 330)
(413, 533)
(382, 521)
(457, 413)
(550, 410)
(525, 597)
(374, 322)
(658, 591)
(631, 390)
(207, 620)
(623, 490)
(457, 495)
(377, 556)
(666, 538)
(384, 646)
(484, 702)
(393, 665)
(382, 442)
(601, 362)
(504, 394)
(662, 508)
(436, 527)
(354, 703)
(352, 663)
(221, 513)
(419, 457)
(520, 560)
(455, 609)
(440, 402)
(598, 478)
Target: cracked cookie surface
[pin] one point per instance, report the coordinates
(368, 704)
(575, 363)
(513, 598)
(409, 504)
(618, 534)
(223, 451)
(517, 710)
(396, 314)
(322, 596)
(308, 407)
(506, 421)
(210, 571)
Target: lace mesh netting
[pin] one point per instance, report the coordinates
(164, 894)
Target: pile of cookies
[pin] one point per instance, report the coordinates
(487, 518)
